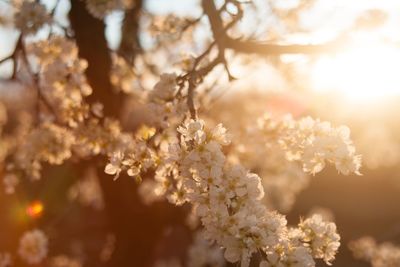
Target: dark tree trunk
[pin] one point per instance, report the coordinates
(130, 43)
(138, 228)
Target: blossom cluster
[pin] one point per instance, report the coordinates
(5, 259)
(100, 8)
(33, 246)
(87, 190)
(66, 126)
(316, 232)
(122, 76)
(228, 201)
(167, 28)
(259, 150)
(10, 181)
(385, 152)
(30, 16)
(379, 255)
(48, 142)
(263, 147)
(134, 160)
(203, 253)
(172, 262)
(33, 249)
(200, 253)
(165, 108)
(314, 143)
(192, 163)
(64, 261)
(62, 81)
(166, 112)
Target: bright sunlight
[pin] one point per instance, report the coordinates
(363, 72)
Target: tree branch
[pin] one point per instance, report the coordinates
(252, 47)
(216, 23)
(130, 42)
(5, 59)
(14, 55)
(224, 41)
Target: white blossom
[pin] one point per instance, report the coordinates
(5, 259)
(172, 262)
(202, 253)
(379, 255)
(322, 236)
(31, 16)
(101, 8)
(87, 190)
(10, 181)
(165, 88)
(64, 261)
(227, 199)
(33, 246)
(122, 75)
(314, 143)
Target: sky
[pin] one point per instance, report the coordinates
(326, 17)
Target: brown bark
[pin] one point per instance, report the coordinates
(130, 43)
(137, 227)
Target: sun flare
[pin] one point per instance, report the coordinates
(363, 72)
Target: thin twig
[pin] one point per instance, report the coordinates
(190, 101)
(41, 97)
(54, 8)
(13, 55)
(6, 58)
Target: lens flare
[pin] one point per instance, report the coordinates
(35, 209)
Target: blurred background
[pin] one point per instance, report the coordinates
(357, 84)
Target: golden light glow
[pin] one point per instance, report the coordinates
(366, 71)
(35, 209)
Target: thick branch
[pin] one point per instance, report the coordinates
(92, 43)
(251, 47)
(224, 41)
(14, 56)
(130, 43)
(216, 23)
